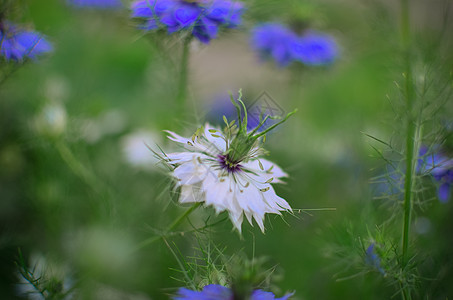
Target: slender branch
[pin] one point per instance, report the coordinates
(77, 168)
(172, 226)
(182, 217)
(411, 139)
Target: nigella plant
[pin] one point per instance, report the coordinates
(224, 169)
(219, 292)
(18, 44)
(202, 19)
(284, 46)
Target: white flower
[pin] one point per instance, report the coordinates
(212, 171)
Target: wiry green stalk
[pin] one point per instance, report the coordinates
(411, 139)
(103, 190)
(172, 226)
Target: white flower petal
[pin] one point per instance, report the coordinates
(189, 173)
(218, 142)
(251, 201)
(216, 191)
(237, 220)
(190, 194)
(176, 137)
(274, 201)
(271, 169)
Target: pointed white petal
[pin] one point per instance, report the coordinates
(216, 192)
(236, 219)
(271, 170)
(176, 137)
(180, 157)
(217, 142)
(190, 173)
(250, 200)
(190, 194)
(275, 201)
(249, 216)
(260, 221)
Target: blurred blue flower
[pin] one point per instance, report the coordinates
(218, 292)
(202, 19)
(285, 46)
(220, 106)
(96, 4)
(372, 259)
(275, 40)
(441, 168)
(314, 49)
(17, 44)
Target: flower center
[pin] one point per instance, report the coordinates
(226, 164)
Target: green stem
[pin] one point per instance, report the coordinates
(408, 190)
(77, 168)
(103, 190)
(172, 226)
(182, 217)
(183, 74)
(413, 130)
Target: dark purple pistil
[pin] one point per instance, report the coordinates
(227, 165)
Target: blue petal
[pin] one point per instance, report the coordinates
(17, 45)
(227, 13)
(185, 294)
(216, 292)
(209, 292)
(444, 192)
(187, 14)
(274, 40)
(97, 4)
(315, 49)
(33, 44)
(143, 9)
(205, 30)
(262, 295)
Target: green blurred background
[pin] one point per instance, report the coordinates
(73, 198)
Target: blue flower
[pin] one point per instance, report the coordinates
(285, 46)
(441, 168)
(96, 4)
(17, 44)
(203, 20)
(218, 292)
(275, 40)
(314, 49)
(372, 259)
